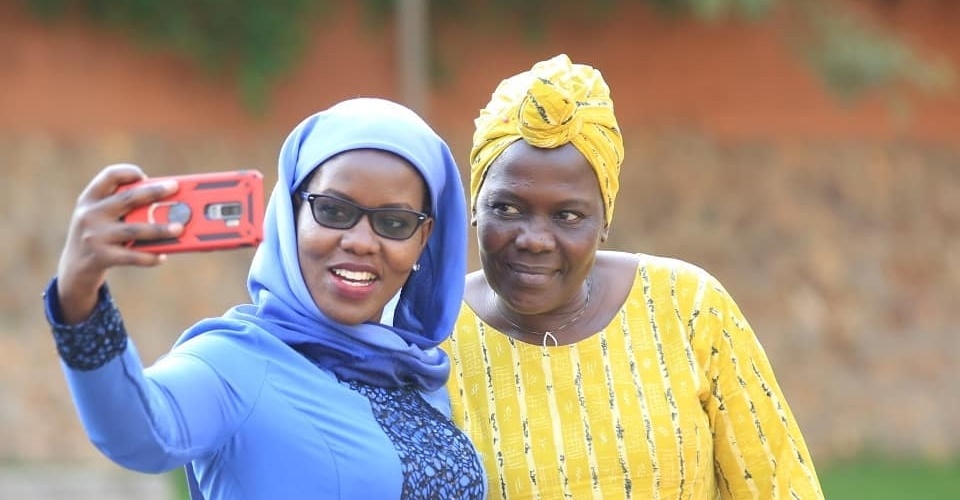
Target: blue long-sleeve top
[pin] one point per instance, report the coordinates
(257, 419)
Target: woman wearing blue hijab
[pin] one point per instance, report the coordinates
(301, 393)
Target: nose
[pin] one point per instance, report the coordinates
(360, 239)
(536, 236)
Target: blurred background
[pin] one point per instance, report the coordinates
(805, 152)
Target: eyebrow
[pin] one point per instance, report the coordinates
(339, 194)
(508, 194)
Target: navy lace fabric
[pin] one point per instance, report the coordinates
(438, 460)
(95, 341)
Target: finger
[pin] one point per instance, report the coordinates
(93, 244)
(127, 256)
(87, 257)
(140, 194)
(109, 179)
(132, 256)
(143, 231)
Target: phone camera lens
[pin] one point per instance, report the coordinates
(231, 210)
(179, 212)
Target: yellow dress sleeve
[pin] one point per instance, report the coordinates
(758, 448)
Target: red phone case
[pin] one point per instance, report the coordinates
(219, 210)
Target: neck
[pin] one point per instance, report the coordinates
(548, 324)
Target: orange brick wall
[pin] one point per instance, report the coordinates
(836, 228)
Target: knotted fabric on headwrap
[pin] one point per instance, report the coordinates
(389, 356)
(554, 103)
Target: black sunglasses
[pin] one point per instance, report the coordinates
(337, 213)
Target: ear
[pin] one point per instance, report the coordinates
(298, 211)
(473, 218)
(425, 230)
(604, 233)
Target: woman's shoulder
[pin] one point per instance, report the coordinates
(630, 263)
(475, 288)
(623, 266)
(674, 265)
(476, 279)
(232, 345)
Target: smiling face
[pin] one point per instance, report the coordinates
(539, 217)
(352, 273)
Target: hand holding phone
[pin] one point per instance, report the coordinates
(219, 210)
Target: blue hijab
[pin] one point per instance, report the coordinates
(406, 353)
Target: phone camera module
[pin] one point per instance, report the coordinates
(229, 212)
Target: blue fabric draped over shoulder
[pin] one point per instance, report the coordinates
(404, 353)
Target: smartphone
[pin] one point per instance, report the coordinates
(219, 211)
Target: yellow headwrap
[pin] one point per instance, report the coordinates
(554, 103)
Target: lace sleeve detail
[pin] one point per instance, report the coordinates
(92, 343)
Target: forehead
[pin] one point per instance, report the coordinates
(367, 167)
(561, 168)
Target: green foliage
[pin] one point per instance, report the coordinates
(257, 41)
(714, 9)
(253, 40)
(854, 58)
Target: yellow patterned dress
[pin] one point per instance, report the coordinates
(674, 399)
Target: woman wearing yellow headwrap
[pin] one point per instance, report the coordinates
(581, 373)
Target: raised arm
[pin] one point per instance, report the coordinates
(97, 237)
(149, 420)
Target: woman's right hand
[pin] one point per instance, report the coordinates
(98, 239)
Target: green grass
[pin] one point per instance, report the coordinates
(179, 481)
(877, 478)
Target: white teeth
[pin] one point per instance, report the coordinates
(355, 275)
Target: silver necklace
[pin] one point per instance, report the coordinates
(548, 334)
